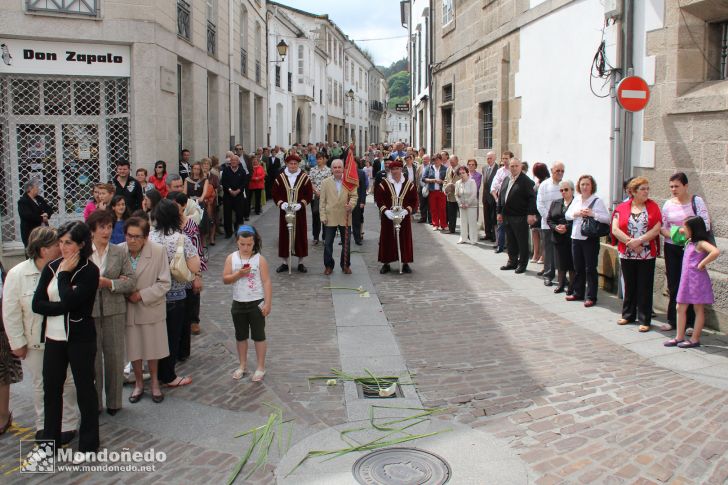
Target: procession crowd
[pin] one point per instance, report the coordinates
(122, 288)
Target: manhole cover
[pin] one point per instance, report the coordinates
(401, 466)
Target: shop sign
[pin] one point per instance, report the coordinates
(20, 56)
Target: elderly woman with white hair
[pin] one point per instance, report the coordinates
(33, 210)
(561, 236)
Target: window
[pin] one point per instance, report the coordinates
(346, 68)
(447, 93)
(244, 41)
(485, 125)
(278, 76)
(87, 7)
(419, 62)
(290, 81)
(341, 53)
(321, 96)
(184, 25)
(211, 10)
(361, 77)
(447, 11)
(724, 50)
(300, 64)
(258, 49)
(352, 71)
(328, 93)
(447, 127)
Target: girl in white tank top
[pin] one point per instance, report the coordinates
(247, 270)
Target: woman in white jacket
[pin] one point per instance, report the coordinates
(466, 194)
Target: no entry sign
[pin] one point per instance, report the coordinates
(633, 94)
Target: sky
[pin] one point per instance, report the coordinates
(364, 19)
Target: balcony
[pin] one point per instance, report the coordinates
(184, 29)
(211, 38)
(376, 106)
(244, 62)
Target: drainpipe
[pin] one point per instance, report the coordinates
(230, 73)
(628, 70)
(431, 101)
(615, 146)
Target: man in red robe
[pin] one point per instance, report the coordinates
(292, 178)
(392, 192)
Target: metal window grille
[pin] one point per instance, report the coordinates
(447, 93)
(244, 62)
(211, 38)
(447, 127)
(184, 28)
(257, 71)
(724, 51)
(485, 132)
(278, 76)
(290, 81)
(74, 7)
(65, 132)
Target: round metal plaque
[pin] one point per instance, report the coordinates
(401, 466)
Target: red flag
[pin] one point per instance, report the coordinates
(351, 176)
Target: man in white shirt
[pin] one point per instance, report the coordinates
(548, 192)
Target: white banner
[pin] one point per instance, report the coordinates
(20, 56)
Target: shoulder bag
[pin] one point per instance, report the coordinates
(591, 227)
(178, 266)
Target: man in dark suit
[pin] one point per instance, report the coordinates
(273, 167)
(517, 210)
(357, 215)
(489, 202)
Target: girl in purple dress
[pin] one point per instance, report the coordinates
(695, 286)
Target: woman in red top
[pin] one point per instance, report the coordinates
(636, 225)
(159, 179)
(257, 182)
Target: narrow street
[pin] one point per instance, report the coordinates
(548, 391)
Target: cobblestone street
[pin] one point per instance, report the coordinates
(576, 398)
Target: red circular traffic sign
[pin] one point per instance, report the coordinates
(633, 93)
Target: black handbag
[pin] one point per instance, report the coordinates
(591, 227)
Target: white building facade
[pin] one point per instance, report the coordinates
(298, 88)
(377, 106)
(82, 88)
(398, 127)
(417, 18)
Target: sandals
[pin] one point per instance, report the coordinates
(258, 376)
(673, 342)
(239, 373)
(666, 327)
(7, 425)
(135, 398)
(688, 344)
(180, 382)
(623, 321)
(157, 398)
(644, 328)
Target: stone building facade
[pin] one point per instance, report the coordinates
(189, 75)
(515, 75)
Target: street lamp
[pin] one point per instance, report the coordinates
(282, 49)
(350, 96)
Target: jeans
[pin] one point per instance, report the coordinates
(586, 257)
(176, 320)
(501, 236)
(329, 236)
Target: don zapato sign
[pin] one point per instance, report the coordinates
(20, 56)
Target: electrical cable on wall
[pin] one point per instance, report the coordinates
(600, 68)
